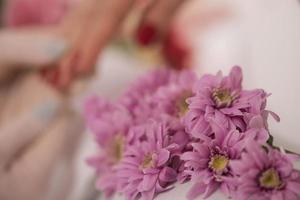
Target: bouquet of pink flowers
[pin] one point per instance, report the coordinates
(172, 127)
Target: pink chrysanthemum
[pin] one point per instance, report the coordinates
(154, 137)
(147, 167)
(223, 96)
(265, 174)
(171, 98)
(105, 119)
(162, 91)
(170, 105)
(94, 108)
(144, 87)
(109, 124)
(256, 127)
(208, 162)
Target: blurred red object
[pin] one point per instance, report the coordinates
(176, 50)
(35, 12)
(146, 35)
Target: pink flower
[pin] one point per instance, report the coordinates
(208, 162)
(145, 86)
(105, 119)
(256, 130)
(94, 108)
(147, 167)
(223, 97)
(110, 124)
(138, 98)
(160, 92)
(166, 128)
(171, 98)
(265, 174)
(36, 12)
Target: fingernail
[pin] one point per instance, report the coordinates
(43, 72)
(146, 35)
(176, 51)
(47, 111)
(52, 76)
(55, 77)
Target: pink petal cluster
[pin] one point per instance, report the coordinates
(139, 115)
(208, 162)
(139, 97)
(171, 98)
(223, 96)
(109, 124)
(171, 127)
(266, 173)
(148, 167)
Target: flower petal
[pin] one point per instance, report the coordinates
(211, 188)
(163, 157)
(148, 195)
(196, 190)
(168, 175)
(148, 182)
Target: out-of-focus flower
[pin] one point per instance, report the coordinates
(208, 162)
(141, 91)
(146, 168)
(105, 119)
(160, 92)
(223, 97)
(110, 125)
(35, 12)
(171, 98)
(265, 173)
(94, 108)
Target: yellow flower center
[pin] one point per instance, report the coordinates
(222, 98)
(218, 163)
(182, 105)
(148, 161)
(270, 179)
(117, 147)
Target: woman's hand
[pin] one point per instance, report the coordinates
(37, 143)
(90, 26)
(29, 48)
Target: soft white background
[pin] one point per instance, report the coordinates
(263, 37)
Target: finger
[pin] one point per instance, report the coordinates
(30, 48)
(79, 16)
(22, 131)
(134, 17)
(156, 21)
(74, 25)
(53, 79)
(177, 46)
(65, 72)
(71, 27)
(100, 31)
(50, 75)
(176, 50)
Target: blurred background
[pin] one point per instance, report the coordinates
(53, 55)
